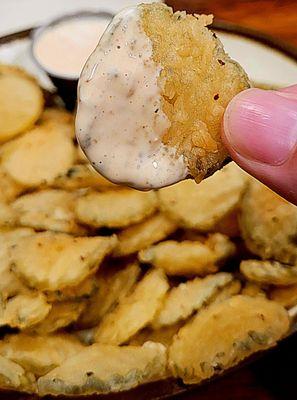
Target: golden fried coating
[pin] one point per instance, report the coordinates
(14, 377)
(104, 369)
(53, 261)
(203, 206)
(182, 301)
(135, 311)
(9, 188)
(115, 209)
(61, 315)
(58, 118)
(10, 284)
(189, 257)
(225, 333)
(21, 101)
(253, 289)
(48, 210)
(197, 81)
(39, 354)
(113, 287)
(38, 156)
(80, 292)
(143, 234)
(231, 289)
(80, 176)
(269, 224)
(7, 216)
(162, 335)
(269, 272)
(24, 310)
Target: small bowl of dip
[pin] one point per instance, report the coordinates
(62, 47)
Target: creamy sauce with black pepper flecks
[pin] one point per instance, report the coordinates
(120, 122)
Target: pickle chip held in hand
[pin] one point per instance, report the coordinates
(149, 107)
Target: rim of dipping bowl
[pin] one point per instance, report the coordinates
(57, 21)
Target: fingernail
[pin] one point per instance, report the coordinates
(261, 125)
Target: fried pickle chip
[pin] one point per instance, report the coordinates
(10, 284)
(115, 208)
(56, 115)
(269, 272)
(135, 311)
(202, 206)
(9, 237)
(253, 289)
(189, 257)
(48, 210)
(286, 295)
(60, 118)
(223, 334)
(152, 127)
(231, 289)
(14, 377)
(104, 369)
(82, 176)
(21, 101)
(186, 298)
(221, 245)
(9, 188)
(24, 310)
(269, 224)
(194, 59)
(38, 156)
(82, 291)
(53, 261)
(61, 315)
(162, 335)
(39, 354)
(7, 215)
(143, 234)
(113, 286)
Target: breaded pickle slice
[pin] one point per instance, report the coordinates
(225, 333)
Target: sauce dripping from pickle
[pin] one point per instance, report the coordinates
(120, 122)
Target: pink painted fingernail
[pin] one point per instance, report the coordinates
(261, 125)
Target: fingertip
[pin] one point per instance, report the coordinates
(260, 133)
(260, 125)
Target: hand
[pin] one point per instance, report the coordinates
(260, 132)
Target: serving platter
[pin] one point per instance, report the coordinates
(268, 62)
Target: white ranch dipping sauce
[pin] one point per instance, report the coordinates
(119, 122)
(63, 48)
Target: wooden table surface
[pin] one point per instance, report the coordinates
(275, 376)
(277, 18)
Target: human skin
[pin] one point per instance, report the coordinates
(260, 132)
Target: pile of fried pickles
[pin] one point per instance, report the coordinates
(104, 288)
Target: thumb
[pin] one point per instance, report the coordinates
(260, 132)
